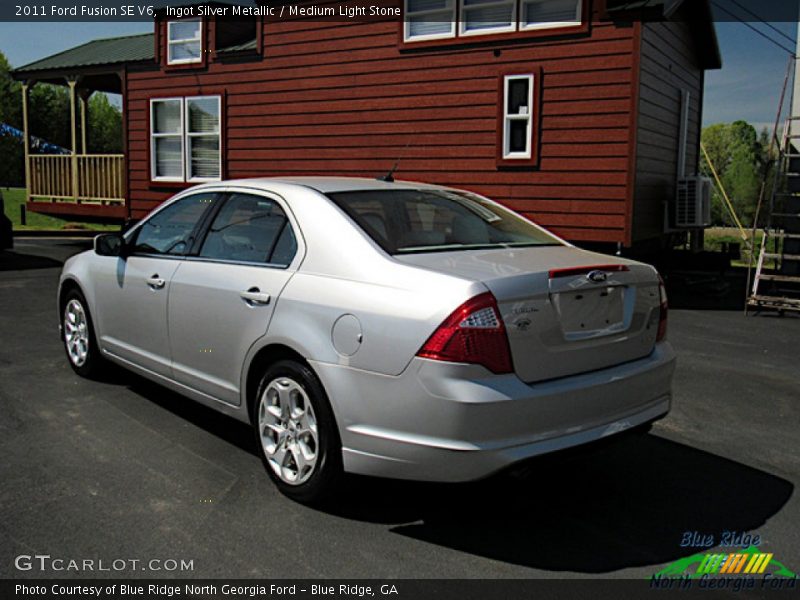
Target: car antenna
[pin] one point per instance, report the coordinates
(389, 177)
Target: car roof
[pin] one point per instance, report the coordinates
(329, 185)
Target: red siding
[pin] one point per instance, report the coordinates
(345, 99)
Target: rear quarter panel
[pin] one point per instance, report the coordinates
(394, 320)
(344, 272)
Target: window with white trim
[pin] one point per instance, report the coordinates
(541, 14)
(202, 138)
(430, 19)
(487, 16)
(185, 139)
(436, 19)
(517, 115)
(184, 41)
(166, 139)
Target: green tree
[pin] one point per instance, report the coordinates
(12, 168)
(743, 176)
(741, 158)
(104, 126)
(48, 115)
(10, 103)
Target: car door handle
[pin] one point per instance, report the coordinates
(254, 296)
(156, 282)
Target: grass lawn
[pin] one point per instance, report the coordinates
(715, 237)
(15, 197)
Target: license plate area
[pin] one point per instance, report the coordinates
(592, 312)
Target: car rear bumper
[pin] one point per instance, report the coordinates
(450, 422)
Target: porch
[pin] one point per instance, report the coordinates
(77, 183)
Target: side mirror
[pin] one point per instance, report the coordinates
(109, 244)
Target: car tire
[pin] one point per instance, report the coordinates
(296, 433)
(78, 336)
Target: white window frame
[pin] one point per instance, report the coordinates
(527, 117)
(518, 12)
(451, 8)
(463, 9)
(154, 136)
(171, 42)
(185, 135)
(188, 135)
(550, 24)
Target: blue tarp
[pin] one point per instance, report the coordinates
(38, 145)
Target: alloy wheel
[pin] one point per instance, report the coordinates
(288, 430)
(76, 332)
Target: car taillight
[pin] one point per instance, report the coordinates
(662, 317)
(473, 333)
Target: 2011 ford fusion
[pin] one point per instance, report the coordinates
(384, 328)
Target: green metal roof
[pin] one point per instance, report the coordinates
(107, 51)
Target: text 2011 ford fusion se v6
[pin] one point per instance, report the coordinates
(383, 328)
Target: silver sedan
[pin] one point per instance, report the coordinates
(383, 328)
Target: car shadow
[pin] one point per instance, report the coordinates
(14, 261)
(620, 503)
(724, 291)
(604, 508)
(720, 292)
(234, 432)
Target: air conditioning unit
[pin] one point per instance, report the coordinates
(693, 202)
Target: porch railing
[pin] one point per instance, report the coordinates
(91, 178)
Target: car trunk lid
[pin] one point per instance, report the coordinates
(566, 311)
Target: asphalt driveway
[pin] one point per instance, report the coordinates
(123, 469)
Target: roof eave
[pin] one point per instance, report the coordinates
(696, 13)
(22, 74)
(700, 18)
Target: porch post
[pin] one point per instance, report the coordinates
(27, 141)
(83, 125)
(72, 83)
(84, 96)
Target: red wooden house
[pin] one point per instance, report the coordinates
(575, 112)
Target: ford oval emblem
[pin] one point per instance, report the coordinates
(597, 276)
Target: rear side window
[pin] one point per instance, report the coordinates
(413, 221)
(170, 230)
(250, 229)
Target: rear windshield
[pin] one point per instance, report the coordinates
(415, 221)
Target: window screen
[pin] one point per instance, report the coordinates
(549, 13)
(185, 139)
(184, 41)
(429, 18)
(166, 119)
(202, 138)
(487, 15)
